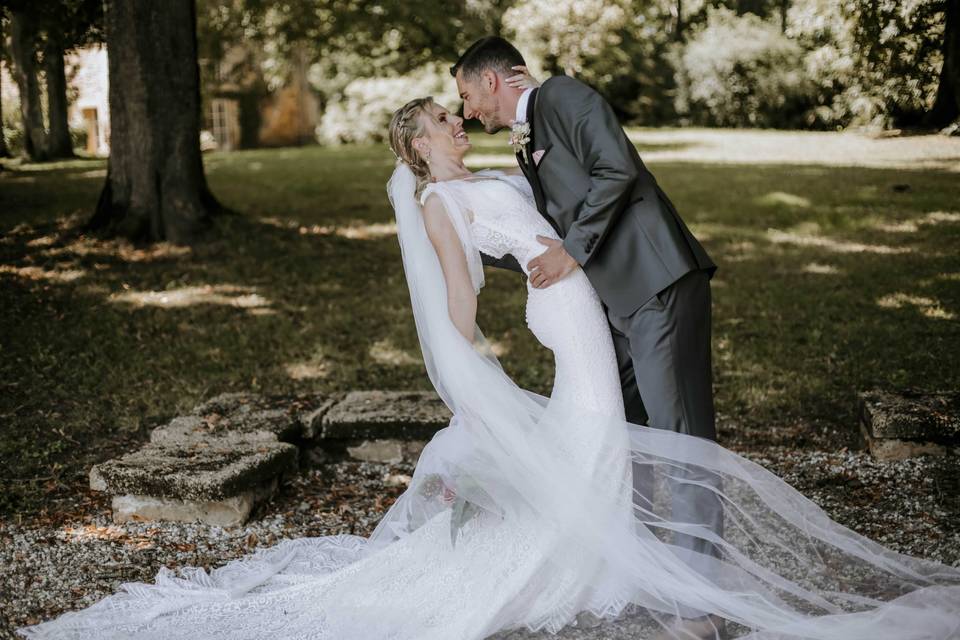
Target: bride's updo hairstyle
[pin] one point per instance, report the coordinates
(406, 124)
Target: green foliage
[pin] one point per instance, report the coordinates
(619, 48)
(361, 113)
(741, 71)
(822, 63)
(874, 63)
(14, 139)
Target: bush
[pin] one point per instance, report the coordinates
(361, 112)
(741, 71)
(612, 45)
(874, 65)
(14, 139)
(78, 138)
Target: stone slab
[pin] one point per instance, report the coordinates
(392, 415)
(312, 414)
(911, 415)
(387, 450)
(195, 471)
(247, 417)
(230, 512)
(897, 449)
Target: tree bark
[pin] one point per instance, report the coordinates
(4, 151)
(946, 106)
(156, 188)
(23, 39)
(678, 28)
(59, 144)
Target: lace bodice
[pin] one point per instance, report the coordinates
(567, 317)
(502, 214)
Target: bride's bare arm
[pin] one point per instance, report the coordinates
(461, 298)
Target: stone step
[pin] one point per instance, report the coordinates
(897, 425)
(215, 463)
(249, 417)
(385, 415)
(217, 482)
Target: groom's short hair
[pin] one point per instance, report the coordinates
(491, 52)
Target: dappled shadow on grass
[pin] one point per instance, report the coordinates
(822, 298)
(102, 338)
(799, 327)
(114, 337)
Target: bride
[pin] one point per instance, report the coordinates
(521, 514)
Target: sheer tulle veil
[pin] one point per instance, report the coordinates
(600, 512)
(781, 568)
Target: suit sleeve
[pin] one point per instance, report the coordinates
(597, 141)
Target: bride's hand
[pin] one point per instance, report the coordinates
(523, 79)
(449, 495)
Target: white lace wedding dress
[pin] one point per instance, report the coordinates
(544, 524)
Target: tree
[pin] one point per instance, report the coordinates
(156, 188)
(4, 151)
(23, 33)
(41, 33)
(64, 24)
(59, 144)
(946, 106)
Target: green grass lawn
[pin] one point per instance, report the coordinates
(831, 280)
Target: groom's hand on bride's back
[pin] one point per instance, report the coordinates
(552, 265)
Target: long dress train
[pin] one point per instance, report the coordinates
(545, 522)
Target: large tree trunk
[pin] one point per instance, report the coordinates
(59, 144)
(23, 38)
(156, 188)
(946, 106)
(4, 151)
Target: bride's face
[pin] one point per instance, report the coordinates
(443, 133)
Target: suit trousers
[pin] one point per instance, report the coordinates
(663, 352)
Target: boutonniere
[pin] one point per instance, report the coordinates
(519, 136)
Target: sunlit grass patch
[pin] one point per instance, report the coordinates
(38, 273)
(837, 246)
(820, 269)
(781, 198)
(385, 352)
(929, 307)
(222, 294)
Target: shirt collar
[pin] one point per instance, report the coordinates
(522, 105)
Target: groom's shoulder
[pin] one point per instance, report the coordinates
(564, 86)
(563, 95)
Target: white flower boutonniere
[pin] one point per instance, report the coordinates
(519, 136)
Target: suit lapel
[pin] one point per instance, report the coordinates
(530, 104)
(529, 167)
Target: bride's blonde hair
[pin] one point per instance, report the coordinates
(405, 125)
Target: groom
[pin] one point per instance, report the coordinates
(651, 273)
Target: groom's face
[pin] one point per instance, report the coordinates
(482, 100)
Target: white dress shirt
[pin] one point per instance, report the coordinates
(522, 105)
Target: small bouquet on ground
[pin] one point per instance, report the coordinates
(437, 486)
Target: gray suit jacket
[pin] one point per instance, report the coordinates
(592, 187)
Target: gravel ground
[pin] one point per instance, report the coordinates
(74, 555)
